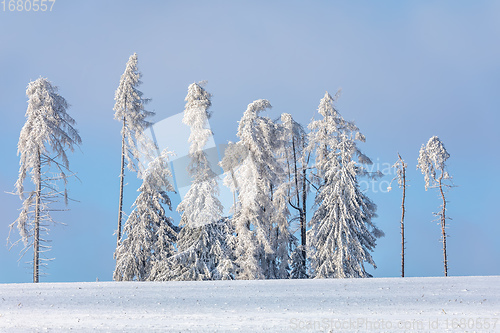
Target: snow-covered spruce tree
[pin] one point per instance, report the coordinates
(203, 253)
(200, 205)
(400, 167)
(148, 234)
(432, 163)
(129, 110)
(257, 177)
(343, 233)
(296, 158)
(45, 137)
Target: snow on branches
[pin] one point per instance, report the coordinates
(148, 235)
(432, 163)
(343, 233)
(129, 109)
(45, 137)
(203, 253)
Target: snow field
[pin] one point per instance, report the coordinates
(434, 304)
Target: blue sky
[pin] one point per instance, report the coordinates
(408, 71)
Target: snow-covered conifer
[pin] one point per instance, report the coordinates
(200, 205)
(432, 163)
(343, 233)
(148, 235)
(257, 177)
(45, 137)
(129, 110)
(202, 245)
(203, 254)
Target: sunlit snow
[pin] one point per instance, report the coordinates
(434, 304)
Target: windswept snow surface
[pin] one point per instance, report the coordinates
(435, 304)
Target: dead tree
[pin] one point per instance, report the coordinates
(400, 167)
(432, 163)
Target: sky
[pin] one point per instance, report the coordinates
(407, 70)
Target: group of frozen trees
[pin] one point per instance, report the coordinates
(151, 247)
(272, 170)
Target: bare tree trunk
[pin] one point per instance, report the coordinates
(303, 218)
(303, 222)
(36, 241)
(443, 225)
(122, 175)
(403, 166)
(403, 231)
(302, 212)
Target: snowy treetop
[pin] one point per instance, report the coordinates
(196, 116)
(431, 160)
(48, 129)
(129, 108)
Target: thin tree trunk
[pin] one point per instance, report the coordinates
(304, 219)
(403, 166)
(303, 222)
(302, 213)
(122, 176)
(443, 225)
(36, 241)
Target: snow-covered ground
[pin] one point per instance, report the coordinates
(454, 304)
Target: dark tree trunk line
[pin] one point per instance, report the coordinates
(443, 225)
(36, 236)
